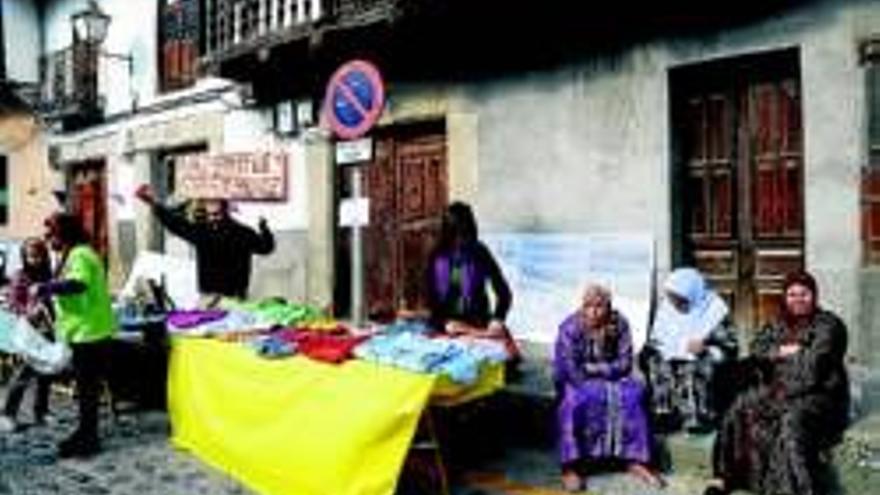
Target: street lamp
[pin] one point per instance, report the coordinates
(90, 25)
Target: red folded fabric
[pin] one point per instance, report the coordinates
(324, 347)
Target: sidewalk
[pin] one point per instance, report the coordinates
(534, 471)
(138, 460)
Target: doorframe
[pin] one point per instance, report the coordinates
(725, 74)
(161, 179)
(101, 165)
(415, 126)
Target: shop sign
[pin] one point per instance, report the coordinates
(252, 176)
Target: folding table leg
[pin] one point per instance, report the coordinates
(438, 454)
(434, 469)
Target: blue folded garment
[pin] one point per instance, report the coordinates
(418, 353)
(271, 346)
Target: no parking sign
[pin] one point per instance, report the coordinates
(355, 99)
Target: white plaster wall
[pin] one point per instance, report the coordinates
(21, 29)
(586, 148)
(30, 180)
(251, 130)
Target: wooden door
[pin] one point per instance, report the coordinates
(88, 201)
(407, 187)
(740, 177)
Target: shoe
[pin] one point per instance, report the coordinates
(78, 446)
(7, 424)
(47, 419)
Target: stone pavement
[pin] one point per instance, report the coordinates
(138, 459)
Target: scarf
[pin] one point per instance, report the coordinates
(672, 329)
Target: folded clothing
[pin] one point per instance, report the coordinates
(181, 319)
(230, 324)
(408, 325)
(329, 348)
(275, 311)
(274, 346)
(460, 361)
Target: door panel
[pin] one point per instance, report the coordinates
(407, 187)
(739, 136)
(381, 246)
(88, 195)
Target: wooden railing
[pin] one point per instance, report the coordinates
(231, 23)
(84, 82)
(69, 79)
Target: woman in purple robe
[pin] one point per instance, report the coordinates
(601, 414)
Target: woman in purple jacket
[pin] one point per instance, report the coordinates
(461, 270)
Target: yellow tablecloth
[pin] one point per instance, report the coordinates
(299, 427)
(447, 393)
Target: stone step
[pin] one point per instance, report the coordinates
(686, 453)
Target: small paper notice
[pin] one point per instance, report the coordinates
(354, 212)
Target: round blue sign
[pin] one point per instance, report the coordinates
(355, 99)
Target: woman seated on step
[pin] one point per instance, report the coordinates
(770, 440)
(688, 354)
(601, 415)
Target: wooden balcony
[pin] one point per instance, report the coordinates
(239, 27)
(69, 79)
(81, 83)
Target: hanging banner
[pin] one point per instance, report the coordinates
(236, 176)
(548, 272)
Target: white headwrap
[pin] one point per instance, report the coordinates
(672, 329)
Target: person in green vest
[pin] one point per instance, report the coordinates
(84, 319)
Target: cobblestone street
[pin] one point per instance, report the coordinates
(137, 458)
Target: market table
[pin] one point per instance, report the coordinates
(300, 427)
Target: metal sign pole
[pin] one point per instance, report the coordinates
(357, 255)
(355, 101)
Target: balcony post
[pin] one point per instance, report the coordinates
(273, 20)
(237, 19)
(288, 15)
(300, 11)
(262, 18)
(210, 17)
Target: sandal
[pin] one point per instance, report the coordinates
(572, 482)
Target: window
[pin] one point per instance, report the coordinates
(870, 56)
(4, 191)
(179, 34)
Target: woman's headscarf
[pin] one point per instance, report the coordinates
(672, 329)
(607, 334)
(598, 293)
(799, 278)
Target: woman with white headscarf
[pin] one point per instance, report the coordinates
(689, 339)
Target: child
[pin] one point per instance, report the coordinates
(36, 269)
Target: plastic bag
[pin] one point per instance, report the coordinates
(37, 351)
